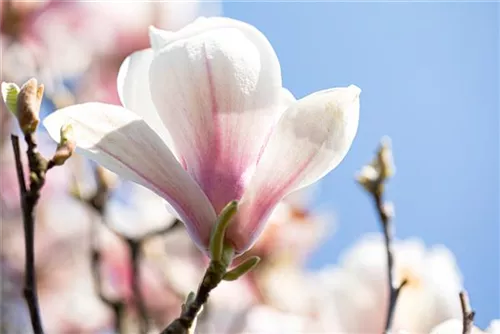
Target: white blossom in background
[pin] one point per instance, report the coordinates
(357, 288)
(267, 320)
(204, 121)
(228, 306)
(146, 212)
(453, 326)
(185, 264)
(494, 327)
(292, 232)
(69, 304)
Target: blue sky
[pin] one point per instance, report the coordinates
(430, 79)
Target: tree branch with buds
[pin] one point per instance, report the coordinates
(116, 305)
(98, 201)
(372, 178)
(24, 103)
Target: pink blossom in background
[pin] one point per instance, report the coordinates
(56, 39)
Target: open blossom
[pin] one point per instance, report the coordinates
(205, 120)
(453, 326)
(358, 288)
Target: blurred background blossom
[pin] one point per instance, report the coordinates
(75, 48)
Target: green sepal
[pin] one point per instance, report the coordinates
(242, 269)
(219, 231)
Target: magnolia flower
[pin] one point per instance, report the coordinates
(358, 288)
(205, 121)
(494, 327)
(453, 326)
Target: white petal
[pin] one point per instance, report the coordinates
(160, 38)
(310, 140)
(133, 90)
(494, 327)
(218, 93)
(122, 142)
(287, 98)
(453, 326)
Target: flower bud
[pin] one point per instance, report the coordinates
(9, 94)
(385, 159)
(66, 145)
(373, 175)
(29, 100)
(106, 179)
(368, 177)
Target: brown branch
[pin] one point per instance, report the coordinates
(212, 278)
(29, 199)
(117, 306)
(394, 288)
(135, 257)
(467, 313)
(98, 202)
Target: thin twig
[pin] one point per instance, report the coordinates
(135, 257)
(29, 199)
(394, 289)
(98, 201)
(117, 306)
(212, 278)
(372, 178)
(467, 313)
(19, 166)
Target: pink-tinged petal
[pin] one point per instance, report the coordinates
(310, 140)
(121, 141)
(218, 93)
(133, 90)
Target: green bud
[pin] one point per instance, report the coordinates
(219, 231)
(67, 134)
(242, 269)
(9, 94)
